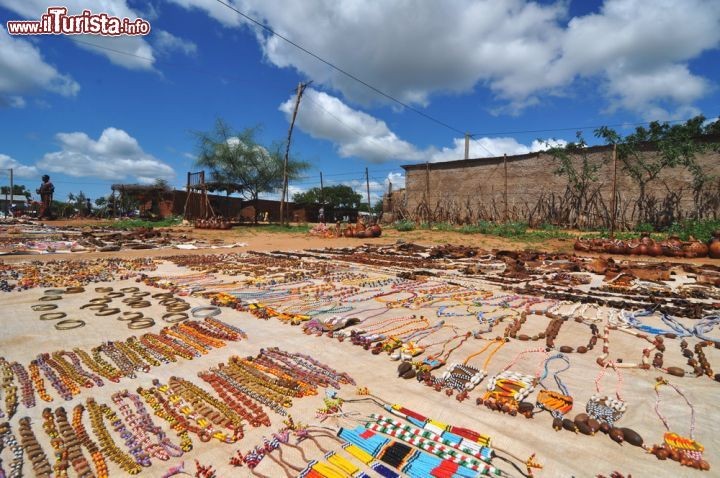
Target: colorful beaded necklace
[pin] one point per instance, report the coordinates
(685, 450)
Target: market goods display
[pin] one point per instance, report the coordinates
(518, 344)
(36, 238)
(54, 274)
(245, 388)
(647, 246)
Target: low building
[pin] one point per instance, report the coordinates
(20, 202)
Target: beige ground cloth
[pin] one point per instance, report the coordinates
(23, 336)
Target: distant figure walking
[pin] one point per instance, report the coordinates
(321, 215)
(46, 191)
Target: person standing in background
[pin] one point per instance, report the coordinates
(46, 191)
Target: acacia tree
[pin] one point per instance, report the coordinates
(339, 195)
(581, 175)
(672, 146)
(236, 158)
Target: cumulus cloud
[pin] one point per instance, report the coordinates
(520, 50)
(115, 155)
(166, 43)
(396, 179)
(360, 135)
(490, 147)
(357, 134)
(377, 189)
(19, 170)
(131, 45)
(25, 71)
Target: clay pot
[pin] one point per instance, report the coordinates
(673, 247)
(348, 232)
(694, 248)
(619, 247)
(646, 239)
(714, 245)
(375, 230)
(634, 247)
(581, 245)
(655, 249)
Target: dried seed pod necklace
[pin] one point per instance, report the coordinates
(685, 450)
(605, 409)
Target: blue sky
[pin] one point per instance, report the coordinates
(91, 117)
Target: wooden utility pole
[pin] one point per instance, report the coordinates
(12, 192)
(367, 185)
(300, 89)
(322, 190)
(427, 181)
(467, 145)
(614, 193)
(506, 187)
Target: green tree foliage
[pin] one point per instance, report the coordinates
(335, 196)
(18, 190)
(237, 159)
(676, 145)
(574, 162)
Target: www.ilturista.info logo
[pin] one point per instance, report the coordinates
(57, 22)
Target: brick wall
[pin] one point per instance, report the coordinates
(471, 190)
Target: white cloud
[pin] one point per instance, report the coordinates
(19, 170)
(114, 156)
(520, 50)
(12, 101)
(361, 135)
(129, 45)
(23, 70)
(166, 43)
(645, 91)
(357, 134)
(489, 147)
(377, 189)
(397, 180)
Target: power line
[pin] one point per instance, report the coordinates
(340, 70)
(577, 128)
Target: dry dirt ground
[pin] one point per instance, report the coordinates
(258, 239)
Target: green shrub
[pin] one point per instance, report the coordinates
(548, 227)
(134, 223)
(702, 230)
(645, 227)
(404, 226)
